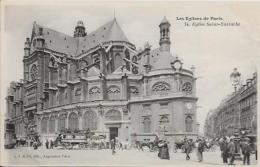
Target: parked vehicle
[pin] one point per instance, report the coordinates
(73, 139)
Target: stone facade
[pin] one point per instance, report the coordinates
(99, 81)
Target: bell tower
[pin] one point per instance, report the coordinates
(80, 30)
(165, 35)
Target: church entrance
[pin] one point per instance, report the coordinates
(113, 131)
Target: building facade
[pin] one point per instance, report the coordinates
(14, 104)
(99, 81)
(236, 113)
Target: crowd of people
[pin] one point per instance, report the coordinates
(230, 148)
(49, 144)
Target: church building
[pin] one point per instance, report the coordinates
(101, 82)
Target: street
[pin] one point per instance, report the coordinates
(133, 157)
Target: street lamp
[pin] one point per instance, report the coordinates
(235, 77)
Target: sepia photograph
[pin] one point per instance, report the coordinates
(129, 83)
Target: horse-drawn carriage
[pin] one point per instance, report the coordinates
(80, 139)
(73, 139)
(179, 145)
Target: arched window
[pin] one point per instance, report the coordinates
(61, 122)
(44, 123)
(127, 56)
(63, 75)
(161, 88)
(113, 92)
(147, 125)
(188, 123)
(90, 120)
(118, 60)
(52, 62)
(163, 33)
(113, 115)
(164, 121)
(134, 59)
(52, 124)
(73, 121)
(33, 72)
(94, 93)
(133, 90)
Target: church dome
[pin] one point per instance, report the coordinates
(80, 23)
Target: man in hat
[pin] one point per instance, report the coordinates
(224, 149)
(113, 146)
(188, 148)
(232, 150)
(201, 147)
(246, 151)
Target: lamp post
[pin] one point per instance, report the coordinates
(235, 77)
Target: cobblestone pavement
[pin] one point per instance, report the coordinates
(25, 156)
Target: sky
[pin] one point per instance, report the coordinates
(214, 51)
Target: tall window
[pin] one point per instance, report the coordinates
(164, 121)
(61, 123)
(34, 72)
(188, 122)
(73, 121)
(147, 125)
(90, 120)
(52, 124)
(44, 123)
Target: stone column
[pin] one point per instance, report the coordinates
(80, 120)
(56, 122)
(67, 120)
(48, 122)
(125, 92)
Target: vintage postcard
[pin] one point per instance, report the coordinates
(129, 83)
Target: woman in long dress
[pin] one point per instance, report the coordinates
(164, 151)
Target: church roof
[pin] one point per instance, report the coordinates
(111, 31)
(63, 43)
(160, 59)
(164, 20)
(57, 41)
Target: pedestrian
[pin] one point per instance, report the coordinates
(51, 144)
(231, 150)
(47, 144)
(160, 145)
(224, 150)
(35, 145)
(187, 148)
(113, 146)
(164, 151)
(246, 151)
(201, 147)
